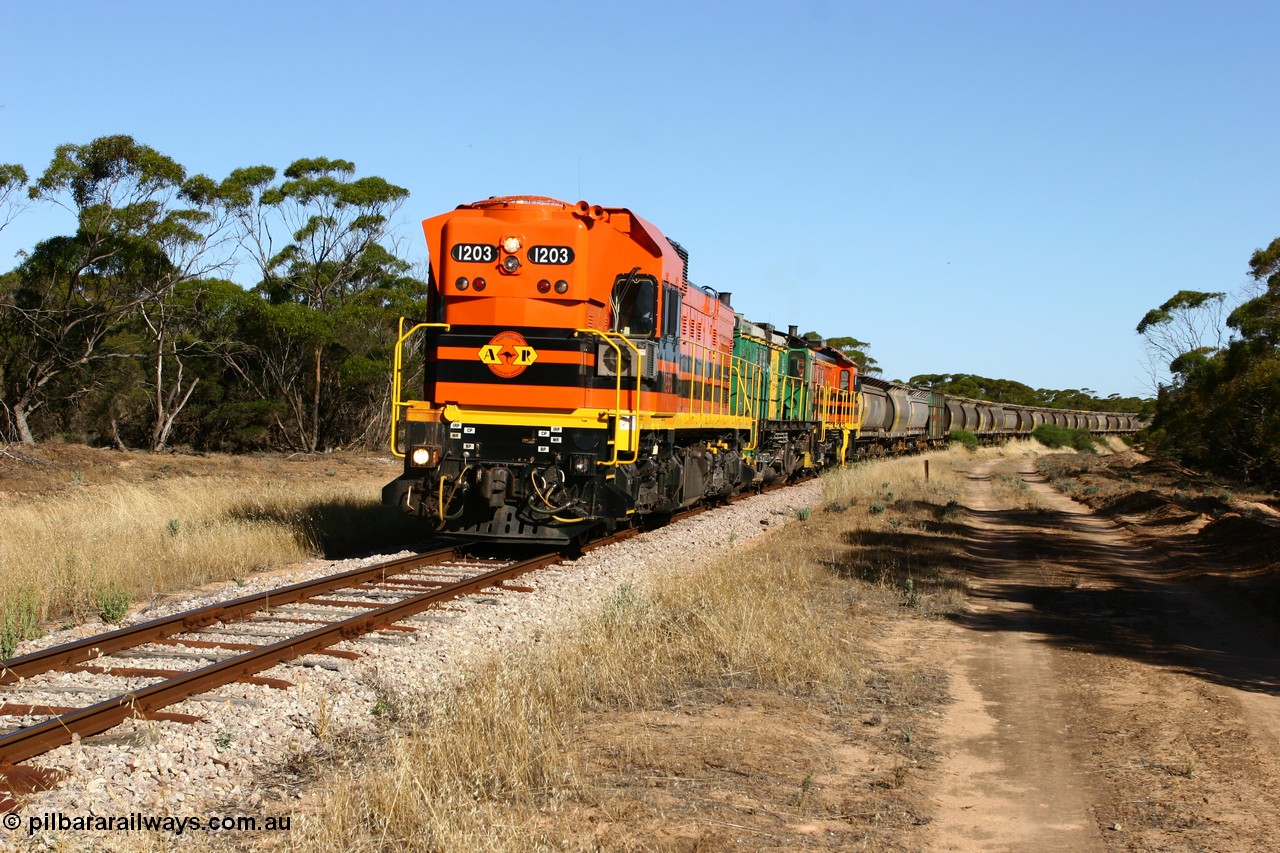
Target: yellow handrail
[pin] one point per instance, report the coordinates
(608, 338)
(710, 379)
(747, 400)
(397, 402)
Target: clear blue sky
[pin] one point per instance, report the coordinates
(1000, 188)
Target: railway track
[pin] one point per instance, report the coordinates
(140, 670)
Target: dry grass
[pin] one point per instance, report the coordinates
(487, 762)
(530, 752)
(90, 551)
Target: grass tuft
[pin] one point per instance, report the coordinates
(20, 622)
(113, 603)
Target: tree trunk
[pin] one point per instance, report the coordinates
(315, 405)
(115, 435)
(20, 414)
(158, 433)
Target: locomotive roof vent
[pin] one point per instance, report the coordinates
(684, 256)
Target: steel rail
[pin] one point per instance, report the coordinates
(84, 722)
(58, 731)
(236, 609)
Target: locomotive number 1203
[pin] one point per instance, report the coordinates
(478, 252)
(550, 255)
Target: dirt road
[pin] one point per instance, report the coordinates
(1100, 702)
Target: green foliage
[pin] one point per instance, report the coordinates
(1264, 265)
(1054, 436)
(113, 603)
(852, 347)
(20, 623)
(1082, 440)
(911, 598)
(963, 437)
(13, 178)
(1051, 435)
(1222, 412)
(12, 175)
(64, 319)
(1183, 300)
(115, 333)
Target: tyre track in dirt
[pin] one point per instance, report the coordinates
(1100, 702)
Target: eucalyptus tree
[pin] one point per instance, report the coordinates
(854, 349)
(317, 236)
(140, 229)
(1222, 412)
(13, 179)
(137, 233)
(1189, 322)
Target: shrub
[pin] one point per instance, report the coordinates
(113, 603)
(20, 623)
(1051, 435)
(1054, 436)
(1082, 440)
(963, 437)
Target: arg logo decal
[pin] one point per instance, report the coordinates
(508, 354)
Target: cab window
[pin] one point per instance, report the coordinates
(635, 304)
(797, 365)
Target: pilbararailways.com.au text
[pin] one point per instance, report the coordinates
(139, 822)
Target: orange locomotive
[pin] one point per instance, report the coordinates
(575, 380)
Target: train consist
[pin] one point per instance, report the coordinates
(576, 381)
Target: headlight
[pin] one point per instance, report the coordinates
(425, 457)
(511, 263)
(511, 245)
(582, 463)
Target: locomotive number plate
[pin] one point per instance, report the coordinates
(481, 253)
(550, 255)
